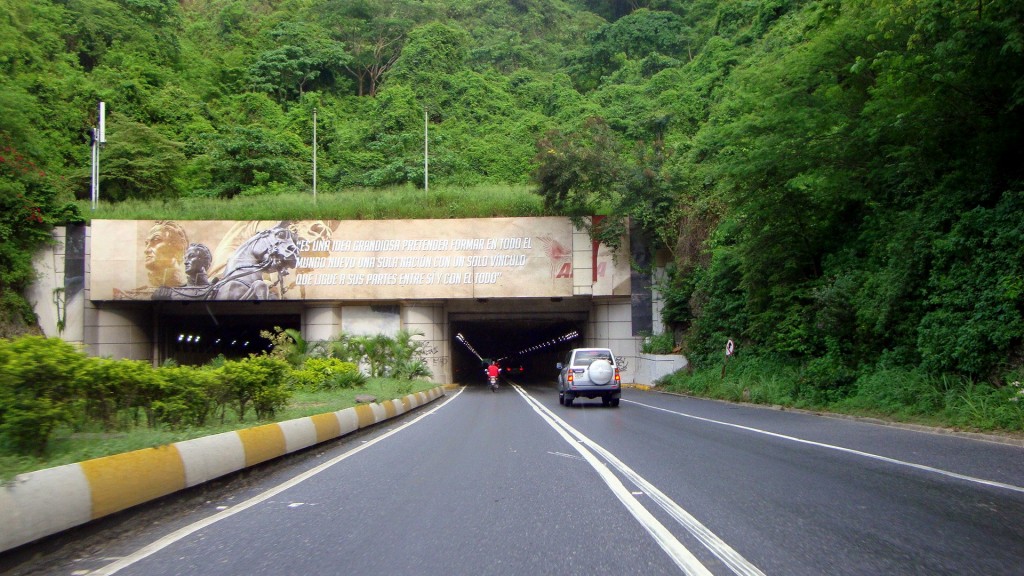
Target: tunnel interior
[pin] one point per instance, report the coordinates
(198, 339)
(526, 346)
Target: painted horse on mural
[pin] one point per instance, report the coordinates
(250, 271)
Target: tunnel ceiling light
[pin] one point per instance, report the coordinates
(468, 346)
(563, 338)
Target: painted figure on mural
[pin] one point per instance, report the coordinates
(163, 256)
(198, 260)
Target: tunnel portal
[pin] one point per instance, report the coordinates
(526, 345)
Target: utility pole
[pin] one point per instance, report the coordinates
(314, 155)
(99, 137)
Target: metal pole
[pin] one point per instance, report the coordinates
(426, 155)
(99, 136)
(94, 188)
(314, 155)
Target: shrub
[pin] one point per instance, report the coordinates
(825, 380)
(38, 390)
(326, 374)
(258, 381)
(189, 396)
(115, 390)
(663, 343)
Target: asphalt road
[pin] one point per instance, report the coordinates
(513, 483)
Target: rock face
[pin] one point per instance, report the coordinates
(366, 399)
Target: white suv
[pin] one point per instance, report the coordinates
(590, 373)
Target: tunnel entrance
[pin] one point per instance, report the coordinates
(526, 344)
(196, 338)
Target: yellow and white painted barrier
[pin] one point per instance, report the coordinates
(37, 504)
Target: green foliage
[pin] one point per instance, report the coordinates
(327, 374)
(976, 292)
(256, 381)
(405, 357)
(663, 343)
(247, 160)
(397, 356)
(302, 56)
(46, 385)
(839, 183)
(642, 35)
(139, 162)
(900, 392)
(38, 390)
(576, 172)
(288, 345)
(67, 446)
(433, 52)
(896, 393)
(115, 391)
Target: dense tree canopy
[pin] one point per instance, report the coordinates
(835, 181)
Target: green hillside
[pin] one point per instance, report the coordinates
(838, 184)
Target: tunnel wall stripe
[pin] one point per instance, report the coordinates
(41, 503)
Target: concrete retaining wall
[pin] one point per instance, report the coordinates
(37, 504)
(651, 367)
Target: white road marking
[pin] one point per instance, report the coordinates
(679, 554)
(564, 455)
(948, 473)
(181, 533)
(736, 562)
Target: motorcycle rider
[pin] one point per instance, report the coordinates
(493, 370)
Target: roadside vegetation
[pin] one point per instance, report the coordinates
(895, 394)
(58, 405)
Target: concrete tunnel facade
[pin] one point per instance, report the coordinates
(522, 290)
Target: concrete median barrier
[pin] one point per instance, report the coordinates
(41, 503)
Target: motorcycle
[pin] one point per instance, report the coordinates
(494, 383)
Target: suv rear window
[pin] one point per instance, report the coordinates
(586, 357)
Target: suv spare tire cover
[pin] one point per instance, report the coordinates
(600, 372)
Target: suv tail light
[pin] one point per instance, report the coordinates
(569, 378)
(618, 380)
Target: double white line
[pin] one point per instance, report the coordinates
(683, 558)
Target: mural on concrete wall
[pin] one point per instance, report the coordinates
(340, 260)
